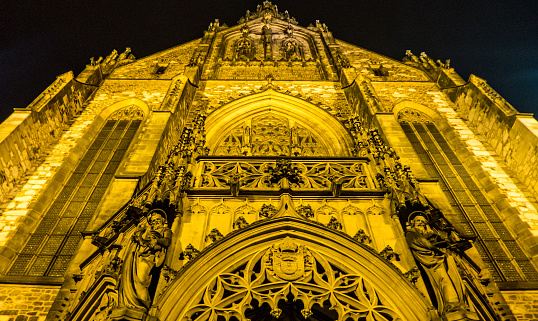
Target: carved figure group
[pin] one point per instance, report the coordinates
(147, 251)
(244, 49)
(292, 51)
(432, 252)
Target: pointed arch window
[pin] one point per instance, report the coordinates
(472, 212)
(50, 248)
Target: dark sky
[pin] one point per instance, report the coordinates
(495, 40)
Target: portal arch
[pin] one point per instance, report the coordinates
(271, 260)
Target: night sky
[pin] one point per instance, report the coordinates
(495, 40)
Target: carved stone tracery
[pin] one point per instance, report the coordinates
(409, 115)
(267, 211)
(270, 135)
(128, 113)
(287, 269)
(304, 174)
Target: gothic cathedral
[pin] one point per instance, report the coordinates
(268, 171)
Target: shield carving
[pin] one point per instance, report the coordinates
(288, 260)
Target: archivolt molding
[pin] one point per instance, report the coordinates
(132, 103)
(322, 125)
(273, 259)
(128, 113)
(420, 111)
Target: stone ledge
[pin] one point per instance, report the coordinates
(517, 285)
(32, 280)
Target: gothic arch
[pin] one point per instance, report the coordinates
(109, 110)
(382, 289)
(401, 106)
(328, 129)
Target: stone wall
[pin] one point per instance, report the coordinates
(176, 58)
(524, 304)
(28, 132)
(518, 203)
(29, 135)
(426, 94)
(26, 302)
(22, 213)
(326, 95)
(361, 59)
(512, 135)
(517, 206)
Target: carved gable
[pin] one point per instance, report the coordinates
(260, 48)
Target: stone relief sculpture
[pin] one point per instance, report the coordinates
(432, 252)
(243, 49)
(147, 251)
(292, 50)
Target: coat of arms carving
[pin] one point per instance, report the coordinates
(288, 261)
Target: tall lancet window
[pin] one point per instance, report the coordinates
(50, 248)
(472, 212)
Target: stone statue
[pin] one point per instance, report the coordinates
(244, 30)
(267, 40)
(289, 31)
(244, 49)
(113, 55)
(294, 136)
(246, 136)
(124, 55)
(432, 252)
(292, 51)
(147, 251)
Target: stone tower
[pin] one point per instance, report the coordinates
(268, 171)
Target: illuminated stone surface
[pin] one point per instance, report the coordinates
(266, 143)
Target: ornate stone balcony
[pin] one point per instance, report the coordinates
(302, 175)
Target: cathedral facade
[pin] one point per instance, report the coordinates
(268, 171)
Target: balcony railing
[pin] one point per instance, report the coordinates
(273, 174)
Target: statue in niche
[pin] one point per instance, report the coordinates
(290, 46)
(295, 147)
(294, 136)
(292, 50)
(147, 251)
(246, 136)
(246, 147)
(433, 252)
(243, 49)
